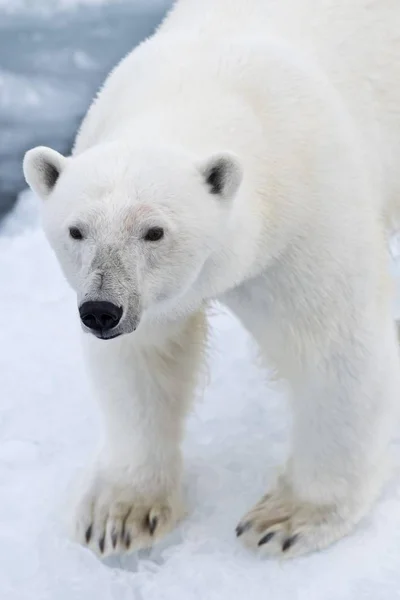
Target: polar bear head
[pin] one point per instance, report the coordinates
(132, 228)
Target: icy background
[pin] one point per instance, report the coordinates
(53, 56)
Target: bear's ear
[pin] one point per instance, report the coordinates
(222, 174)
(42, 167)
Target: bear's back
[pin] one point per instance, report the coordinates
(203, 45)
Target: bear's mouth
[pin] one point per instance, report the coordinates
(101, 336)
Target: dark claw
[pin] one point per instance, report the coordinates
(114, 539)
(267, 538)
(127, 540)
(242, 528)
(88, 534)
(288, 543)
(152, 524)
(102, 543)
(124, 524)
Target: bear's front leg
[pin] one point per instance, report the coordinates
(132, 495)
(345, 409)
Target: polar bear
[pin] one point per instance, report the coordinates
(247, 152)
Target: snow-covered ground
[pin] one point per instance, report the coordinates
(236, 437)
(53, 56)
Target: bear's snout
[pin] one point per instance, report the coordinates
(100, 316)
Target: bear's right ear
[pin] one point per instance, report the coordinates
(222, 174)
(42, 168)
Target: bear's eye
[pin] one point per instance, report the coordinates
(75, 233)
(154, 234)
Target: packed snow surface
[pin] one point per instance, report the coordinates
(236, 437)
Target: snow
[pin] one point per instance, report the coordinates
(236, 437)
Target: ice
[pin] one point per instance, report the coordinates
(53, 6)
(54, 54)
(236, 438)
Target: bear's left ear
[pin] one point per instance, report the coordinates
(222, 174)
(42, 168)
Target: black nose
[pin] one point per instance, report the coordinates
(100, 316)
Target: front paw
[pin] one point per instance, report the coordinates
(118, 515)
(282, 526)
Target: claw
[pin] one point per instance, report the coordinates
(267, 538)
(152, 523)
(114, 539)
(288, 543)
(241, 528)
(88, 534)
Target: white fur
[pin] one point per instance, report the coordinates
(300, 104)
